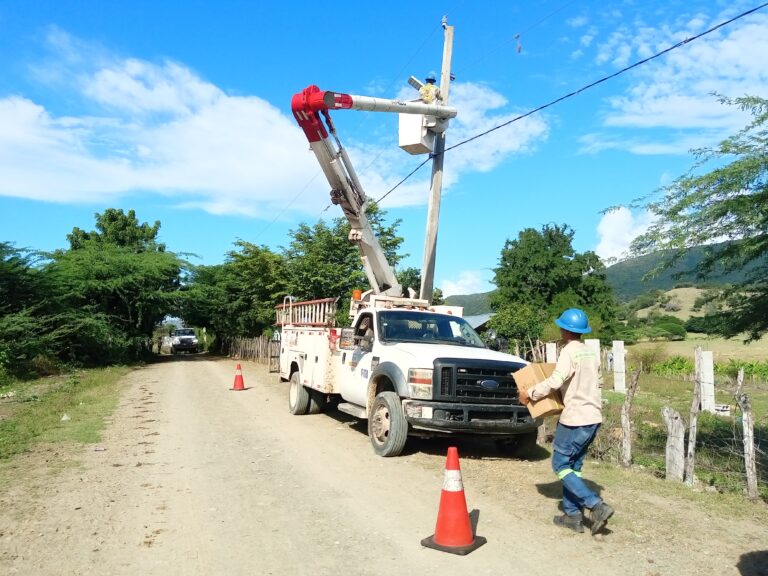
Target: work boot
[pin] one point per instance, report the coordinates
(571, 522)
(599, 516)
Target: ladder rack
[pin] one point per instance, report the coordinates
(308, 313)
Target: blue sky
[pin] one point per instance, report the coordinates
(181, 111)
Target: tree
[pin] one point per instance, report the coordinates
(119, 229)
(237, 298)
(411, 278)
(723, 196)
(541, 271)
(518, 322)
(106, 299)
(322, 263)
(18, 278)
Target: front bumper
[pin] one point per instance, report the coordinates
(475, 418)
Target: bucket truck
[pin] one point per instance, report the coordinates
(408, 368)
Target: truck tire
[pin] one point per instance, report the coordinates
(518, 445)
(317, 401)
(298, 396)
(387, 426)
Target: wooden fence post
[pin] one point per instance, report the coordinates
(750, 465)
(675, 443)
(626, 421)
(690, 459)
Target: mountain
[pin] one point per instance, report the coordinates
(628, 282)
(474, 304)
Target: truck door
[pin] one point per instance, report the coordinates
(357, 365)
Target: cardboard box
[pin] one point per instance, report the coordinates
(526, 378)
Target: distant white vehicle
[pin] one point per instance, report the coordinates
(184, 340)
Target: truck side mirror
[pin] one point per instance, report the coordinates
(347, 339)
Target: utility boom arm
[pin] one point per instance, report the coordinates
(311, 109)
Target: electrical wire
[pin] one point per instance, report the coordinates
(586, 87)
(427, 37)
(517, 36)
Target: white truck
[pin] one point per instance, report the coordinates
(407, 367)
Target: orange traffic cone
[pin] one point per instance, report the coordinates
(239, 384)
(453, 532)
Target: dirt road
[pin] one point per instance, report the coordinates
(194, 479)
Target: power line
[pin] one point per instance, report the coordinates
(584, 88)
(518, 35)
(427, 37)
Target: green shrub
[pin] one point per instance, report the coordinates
(646, 358)
(674, 366)
(675, 331)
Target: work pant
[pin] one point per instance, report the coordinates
(570, 448)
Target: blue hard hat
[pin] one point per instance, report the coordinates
(574, 320)
(431, 77)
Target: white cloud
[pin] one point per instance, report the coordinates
(469, 282)
(668, 106)
(675, 91)
(586, 39)
(641, 145)
(137, 86)
(617, 229)
(160, 128)
(577, 22)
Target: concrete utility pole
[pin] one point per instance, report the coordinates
(433, 214)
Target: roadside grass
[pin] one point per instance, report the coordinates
(719, 449)
(637, 482)
(34, 414)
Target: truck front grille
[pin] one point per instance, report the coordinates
(475, 381)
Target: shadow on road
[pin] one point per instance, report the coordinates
(554, 489)
(185, 357)
(470, 447)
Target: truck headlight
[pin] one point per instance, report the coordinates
(420, 383)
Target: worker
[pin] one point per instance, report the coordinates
(429, 92)
(576, 376)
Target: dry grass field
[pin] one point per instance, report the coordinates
(723, 349)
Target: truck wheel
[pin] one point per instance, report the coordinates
(387, 425)
(298, 396)
(317, 401)
(518, 445)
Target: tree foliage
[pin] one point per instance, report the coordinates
(96, 303)
(539, 272)
(237, 298)
(323, 263)
(18, 278)
(108, 298)
(411, 278)
(116, 228)
(724, 196)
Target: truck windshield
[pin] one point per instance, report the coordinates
(426, 327)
